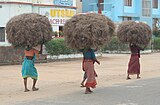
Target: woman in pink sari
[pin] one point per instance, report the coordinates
(89, 60)
(134, 65)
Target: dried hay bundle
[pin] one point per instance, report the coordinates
(28, 29)
(88, 30)
(134, 32)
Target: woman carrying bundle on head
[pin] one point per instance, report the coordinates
(134, 65)
(28, 68)
(29, 30)
(136, 34)
(87, 31)
(89, 59)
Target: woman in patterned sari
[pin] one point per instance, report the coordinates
(89, 60)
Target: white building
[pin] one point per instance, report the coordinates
(58, 11)
(79, 6)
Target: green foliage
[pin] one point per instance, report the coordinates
(115, 44)
(156, 43)
(58, 46)
(61, 34)
(156, 33)
(55, 33)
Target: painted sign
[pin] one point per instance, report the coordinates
(64, 2)
(57, 16)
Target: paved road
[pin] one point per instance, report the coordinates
(140, 92)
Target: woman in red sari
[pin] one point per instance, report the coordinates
(134, 65)
(89, 60)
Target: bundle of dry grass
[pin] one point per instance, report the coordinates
(134, 32)
(28, 29)
(88, 30)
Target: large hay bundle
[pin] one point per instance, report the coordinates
(28, 29)
(88, 30)
(134, 32)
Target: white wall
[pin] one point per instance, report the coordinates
(10, 10)
(74, 3)
(4, 14)
(79, 6)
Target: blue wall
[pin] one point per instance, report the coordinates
(115, 10)
(89, 5)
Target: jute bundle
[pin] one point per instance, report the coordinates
(28, 29)
(88, 30)
(134, 32)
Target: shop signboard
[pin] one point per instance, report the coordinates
(57, 16)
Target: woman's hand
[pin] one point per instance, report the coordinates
(98, 62)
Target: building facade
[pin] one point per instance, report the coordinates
(147, 11)
(57, 11)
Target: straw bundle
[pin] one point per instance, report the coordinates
(28, 29)
(88, 30)
(134, 32)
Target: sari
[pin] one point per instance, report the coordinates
(88, 67)
(134, 65)
(28, 68)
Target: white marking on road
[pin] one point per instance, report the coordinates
(128, 104)
(133, 86)
(115, 85)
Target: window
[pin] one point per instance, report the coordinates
(155, 4)
(146, 8)
(128, 2)
(127, 18)
(2, 34)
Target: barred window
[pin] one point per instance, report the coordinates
(127, 18)
(128, 2)
(146, 8)
(2, 34)
(155, 4)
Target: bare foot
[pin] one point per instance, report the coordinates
(35, 89)
(88, 92)
(138, 77)
(128, 78)
(26, 90)
(82, 85)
